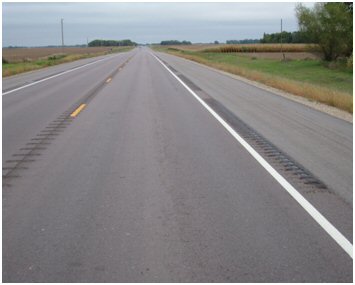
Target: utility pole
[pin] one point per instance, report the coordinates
(283, 55)
(62, 35)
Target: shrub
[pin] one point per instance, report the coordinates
(56, 56)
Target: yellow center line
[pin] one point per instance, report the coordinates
(78, 110)
(108, 80)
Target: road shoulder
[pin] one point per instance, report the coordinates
(332, 111)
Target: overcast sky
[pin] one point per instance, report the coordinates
(38, 24)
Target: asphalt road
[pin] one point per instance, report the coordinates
(145, 185)
(321, 143)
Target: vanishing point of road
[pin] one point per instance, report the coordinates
(144, 167)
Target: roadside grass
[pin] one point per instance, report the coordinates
(16, 67)
(311, 79)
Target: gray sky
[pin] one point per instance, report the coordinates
(38, 24)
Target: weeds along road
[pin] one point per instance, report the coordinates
(130, 170)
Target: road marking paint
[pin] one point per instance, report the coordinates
(108, 80)
(77, 111)
(308, 207)
(56, 75)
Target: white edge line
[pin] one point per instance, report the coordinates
(310, 209)
(56, 75)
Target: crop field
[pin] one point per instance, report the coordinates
(18, 60)
(261, 48)
(247, 47)
(14, 55)
(267, 51)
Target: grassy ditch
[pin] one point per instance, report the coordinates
(28, 60)
(313, 79)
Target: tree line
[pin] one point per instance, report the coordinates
(287, 37)
(246, 41)
(174, 43)
(109, 43)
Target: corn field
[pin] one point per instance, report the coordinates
(262, 48)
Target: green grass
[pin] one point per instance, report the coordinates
(312, 79)
(9, 69)
(310, 71)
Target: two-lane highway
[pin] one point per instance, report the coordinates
(143, 184)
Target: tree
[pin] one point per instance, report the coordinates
(330, 25)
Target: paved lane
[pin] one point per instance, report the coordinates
(144, 185)
(29, 110)
(321, 143)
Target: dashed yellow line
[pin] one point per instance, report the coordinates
(108, 80)
(77, 111)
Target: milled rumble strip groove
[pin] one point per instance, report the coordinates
(308, 207)
(279, 160)
(77, 111)
(31, 151)
(54, 128)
